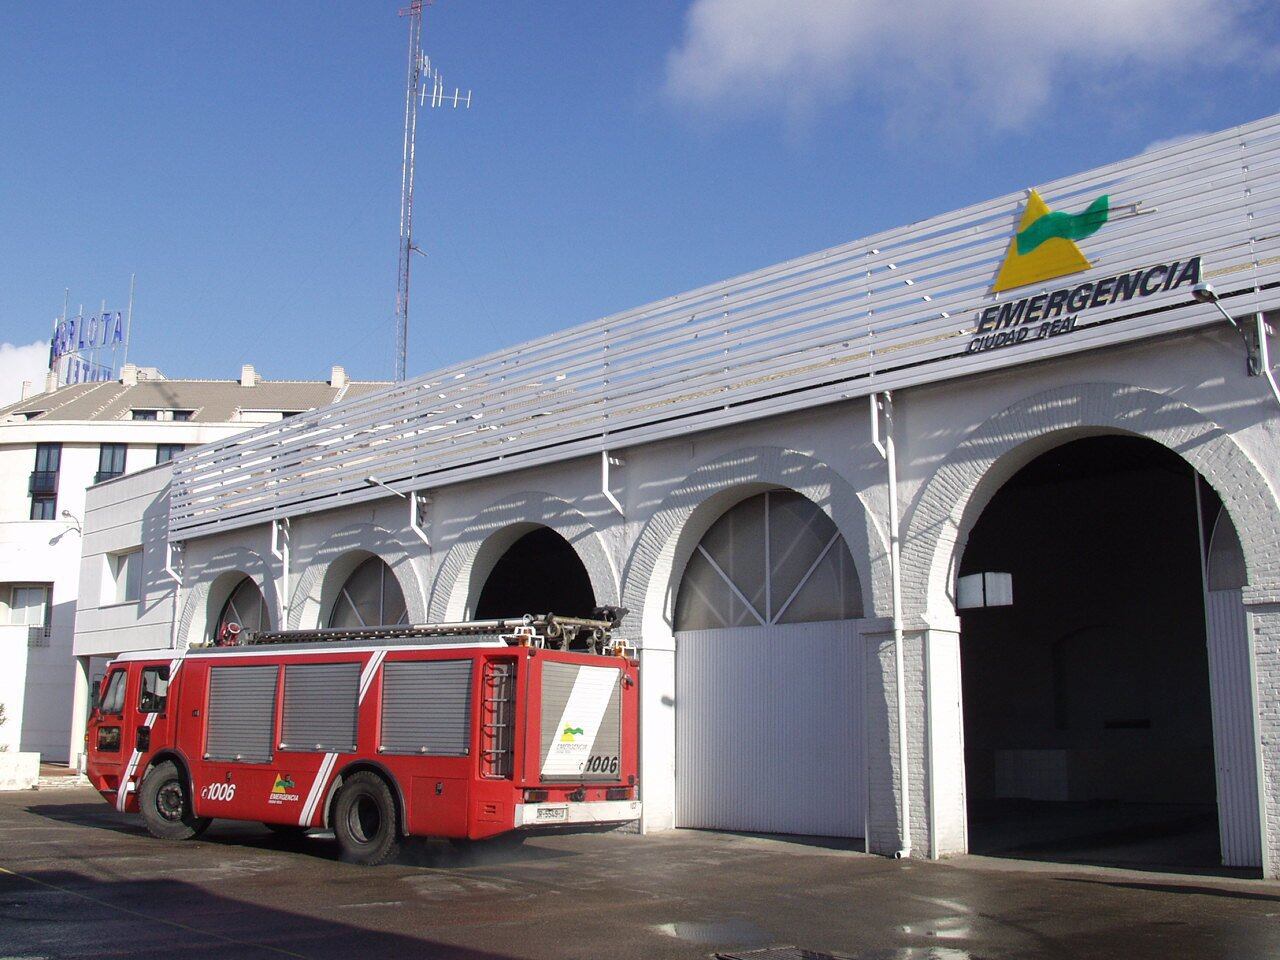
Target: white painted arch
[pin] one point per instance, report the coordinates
(670, 536)
(477, 549)
(953, 499)
(334, 560)
(205, 598)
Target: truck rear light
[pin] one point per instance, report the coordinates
(535, 796)
(618, 793)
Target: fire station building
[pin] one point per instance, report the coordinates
(961, 536)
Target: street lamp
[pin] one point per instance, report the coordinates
(1259, 360)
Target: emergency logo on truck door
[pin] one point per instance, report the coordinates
(282, 789)
(580, 722)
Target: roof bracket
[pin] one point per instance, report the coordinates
(420, 508)
(280, 550)
(172, 552)
(607, 460)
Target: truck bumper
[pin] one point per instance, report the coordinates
(591, 811)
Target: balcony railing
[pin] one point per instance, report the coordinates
(107, 475)
(43, 482)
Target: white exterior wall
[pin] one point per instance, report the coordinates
(672, 491)
(124, 514)
(38, 682)
(957, 442)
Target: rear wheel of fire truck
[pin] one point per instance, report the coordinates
(166, 804)
(364, 820)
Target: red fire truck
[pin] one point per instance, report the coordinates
(463, 731)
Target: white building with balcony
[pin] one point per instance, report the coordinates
(52, 447)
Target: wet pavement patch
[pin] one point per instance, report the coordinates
(739, 933)
(782, 953)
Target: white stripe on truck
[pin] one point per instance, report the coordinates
(122, 792)
(575, 734)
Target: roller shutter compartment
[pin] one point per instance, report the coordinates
(426, 707)
(242, 713)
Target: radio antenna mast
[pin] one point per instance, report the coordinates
(421, 76)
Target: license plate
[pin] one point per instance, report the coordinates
(546, 814)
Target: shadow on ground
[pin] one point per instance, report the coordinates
(64, 914)
(1163, 838)
(414, 852)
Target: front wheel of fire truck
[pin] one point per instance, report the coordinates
(364, 820)
(166, 804)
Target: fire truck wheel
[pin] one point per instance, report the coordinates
(364, 820)
(166, 805)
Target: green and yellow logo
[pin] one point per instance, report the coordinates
(567, 735)
(284, 783)
(1045, 245)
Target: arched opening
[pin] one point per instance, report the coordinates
(369, 597)
(769, 674)
(539, 573)
(244, 609)
(1089, 720)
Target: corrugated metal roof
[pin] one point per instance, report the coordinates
(211, 401)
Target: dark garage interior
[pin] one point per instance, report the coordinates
(1088, 728)
(539, 573)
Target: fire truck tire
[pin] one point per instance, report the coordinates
(364, 820)
(166, 804)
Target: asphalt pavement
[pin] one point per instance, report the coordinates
(79, 880)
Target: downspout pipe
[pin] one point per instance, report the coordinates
(280, 550)
(887, 452)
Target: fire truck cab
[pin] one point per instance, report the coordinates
(464, 731)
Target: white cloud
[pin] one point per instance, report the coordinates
(18, 363)
(999, 59)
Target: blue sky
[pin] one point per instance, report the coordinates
(243, 159)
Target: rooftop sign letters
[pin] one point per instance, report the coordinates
(1052, 314)
(76, 334)
(75, 345)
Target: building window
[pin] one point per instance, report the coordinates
(125, 570)
(775, 558)
(43, 486)
(28, 604)
(167, 451)
(180, 416)
(370, 597)
(244, 610)
(266, 416)
(44, 508)
(110, 461)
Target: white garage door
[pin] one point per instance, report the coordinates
(769, 733)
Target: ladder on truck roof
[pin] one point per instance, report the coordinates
(534, 629)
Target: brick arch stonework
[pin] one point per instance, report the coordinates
(665, 543)
(952, 500)
(211, 590)
(334, 561)
(478, 547)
